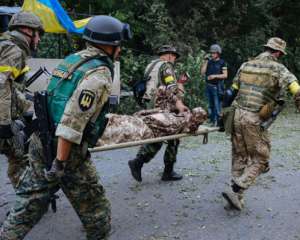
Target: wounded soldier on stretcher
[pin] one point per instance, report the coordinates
(151, 123)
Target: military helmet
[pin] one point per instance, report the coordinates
(26, 19)
(168, 49)
(276, 43)
(215, 48)
(106, 30)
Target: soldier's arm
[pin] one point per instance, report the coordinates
(5, 98)
(289, 80)
(236, 80)
(168, 78)
(294, 88)
(22, 102)
(10, 69)
(167, 74)
(231, 92)
(297, 98)
(91, 94)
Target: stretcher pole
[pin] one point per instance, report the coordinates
(201, 131)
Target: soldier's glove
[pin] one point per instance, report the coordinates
(56, 171)
(297, 100)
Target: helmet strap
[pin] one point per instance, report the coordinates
(31, 44)
(114, 53)
(111, 56)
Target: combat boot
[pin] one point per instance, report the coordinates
(235, 200)
(169, 174)
(266, 168)
(135, 166)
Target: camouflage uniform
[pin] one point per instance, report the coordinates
(169, 123)
(124, 128)
(251, 145)
(162, 74)
(259, 82)
(147, 124)
(14, 50)
(80, 182)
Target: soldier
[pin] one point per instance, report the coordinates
(77, 102)
(16, 45)
(150, 123)
(259, 84)
(160, 72)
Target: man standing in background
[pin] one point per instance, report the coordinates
(215, 71)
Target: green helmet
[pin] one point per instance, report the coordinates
(215, 48)
(168, 49)
(106, 30)
(26, 19)
(276, 43)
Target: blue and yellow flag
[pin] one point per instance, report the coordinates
(54, 17)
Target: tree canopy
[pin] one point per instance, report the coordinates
(240, 27)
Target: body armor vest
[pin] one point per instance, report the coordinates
(63, 83)
(257, 86)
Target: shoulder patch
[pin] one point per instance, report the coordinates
(86, 100)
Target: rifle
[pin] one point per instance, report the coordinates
(278, 109)
(46, 133)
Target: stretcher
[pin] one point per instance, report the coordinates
(202, 130)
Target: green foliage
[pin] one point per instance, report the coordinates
(194, 89)
(55, 46)
(240, 27)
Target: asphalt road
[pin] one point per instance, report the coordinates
(191, 209)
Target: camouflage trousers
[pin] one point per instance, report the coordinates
(250, 148)
(148, 152)
(80, 184)
(16, 163)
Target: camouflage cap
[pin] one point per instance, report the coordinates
(276, 43)
(168, 49)
(26, 19)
